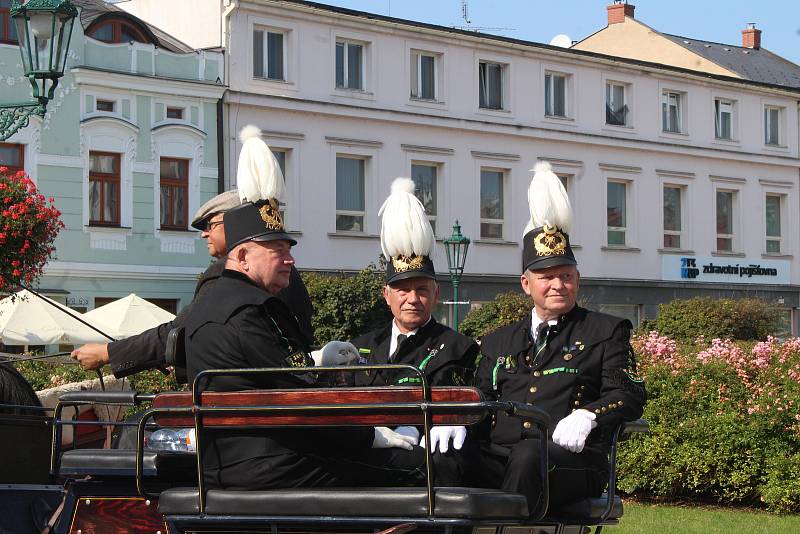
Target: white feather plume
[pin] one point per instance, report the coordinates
(405, 228)
(258, 175)
(548, 200)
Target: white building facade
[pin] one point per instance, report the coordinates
(682, 183)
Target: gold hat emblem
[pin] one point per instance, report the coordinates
(550, 241)
(404, 263)
(271, 215)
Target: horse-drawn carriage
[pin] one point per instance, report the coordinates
(141, 490)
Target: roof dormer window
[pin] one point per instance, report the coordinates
(117, 30)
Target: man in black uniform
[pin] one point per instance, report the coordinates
(414, 337)
(240, 323)
(575, 364)
(147, 350)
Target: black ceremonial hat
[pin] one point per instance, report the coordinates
(261, 187)
(255, 221)
(546, 240)
(546, 246)
(406, 234)
(401, 267)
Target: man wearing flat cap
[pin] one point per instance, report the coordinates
(239, 323)
(575, 364)
(147, 350)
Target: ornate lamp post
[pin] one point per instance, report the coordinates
(44, 28)
(456, 246)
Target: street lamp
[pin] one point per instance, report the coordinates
(44, 28)
(456, 246)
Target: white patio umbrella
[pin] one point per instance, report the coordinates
(128, 316)
(26, 319)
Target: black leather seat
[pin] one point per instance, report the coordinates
(589, 509)
(122, 462)
(471, 503)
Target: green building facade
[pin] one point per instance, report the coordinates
(128, 150)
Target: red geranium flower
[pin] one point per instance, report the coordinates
(30, 226)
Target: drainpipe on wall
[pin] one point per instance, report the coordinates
(220, 147)
(222, 110)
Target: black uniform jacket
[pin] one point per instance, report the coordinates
(236, 324)
(446, 357)
(146, 350)
(588, 363)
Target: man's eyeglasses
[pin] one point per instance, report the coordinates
(210, 226)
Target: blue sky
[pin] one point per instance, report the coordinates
(540, 20)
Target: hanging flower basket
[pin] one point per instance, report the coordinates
(29, 225)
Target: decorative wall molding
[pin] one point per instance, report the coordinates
(428, 149)
(353, 142)
(494, 155)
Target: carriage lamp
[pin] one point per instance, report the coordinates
(456, 247)
(44, 28)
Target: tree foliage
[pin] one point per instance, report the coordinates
(505, 309)
(739, 319)
(346, 306)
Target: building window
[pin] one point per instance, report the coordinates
(104, 188)
(555, 94)
(616, 106)
(616, 212)
(424, 177)
(423, 75)
(725, 200)
(8, 30)
(12, 156)
(107, 106)
(490, 81)
(349, 65)
(772, 125)
(723, 119)
(672, 216)
(268, 55)
(350, 195)
(773, 214)
(175, 113)
(671, 112)
(116, 31)
(280, 156)
(174, 193)
(492, 203)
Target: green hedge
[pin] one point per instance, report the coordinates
(505, 309)
(744, 319)
(725, 423)
(347, 306)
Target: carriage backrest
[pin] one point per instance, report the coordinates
(384, 406)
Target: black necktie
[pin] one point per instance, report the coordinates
(400, 339)
(540, 343)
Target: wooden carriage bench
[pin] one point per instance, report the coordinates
(440, 509)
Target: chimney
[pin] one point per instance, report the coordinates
(751, 37)
(618, 11)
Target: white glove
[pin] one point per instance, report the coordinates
(572, 431)
(386, 438)
(335, 353)
(410, 431)
(442, 436)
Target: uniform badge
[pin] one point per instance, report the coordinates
(296, 359)
(403, 263)
(271, 215)
(568, 356)
(550, 242)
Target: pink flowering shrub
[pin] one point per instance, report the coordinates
(725, 422)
